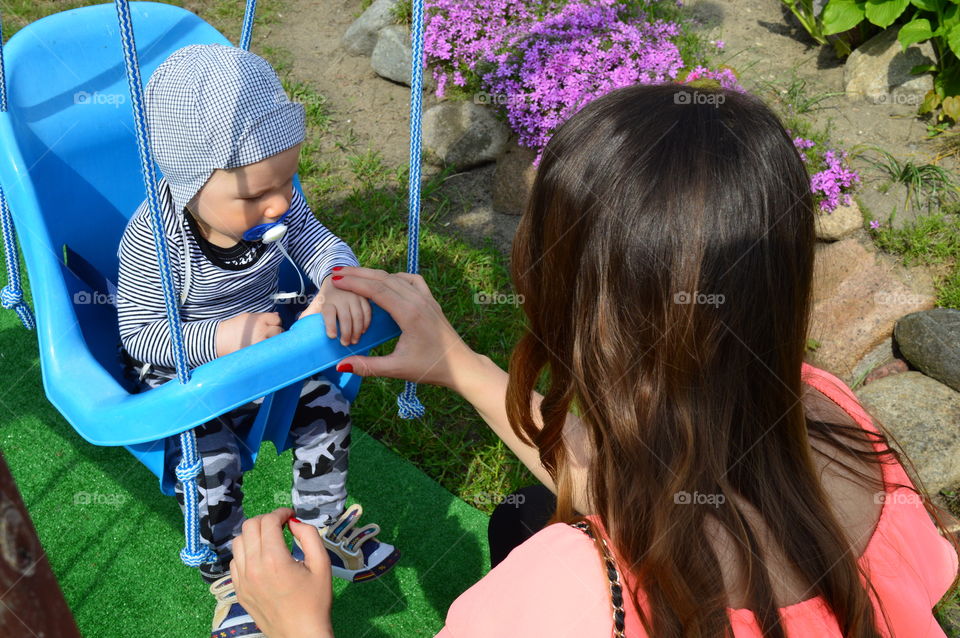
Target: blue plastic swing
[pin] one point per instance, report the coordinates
(71, 177)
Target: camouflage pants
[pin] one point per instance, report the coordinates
(321, 440)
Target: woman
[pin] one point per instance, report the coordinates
(665, 260)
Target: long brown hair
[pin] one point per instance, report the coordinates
(665, 258)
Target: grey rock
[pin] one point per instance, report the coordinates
(922, 414)
(930, 341)
(513, 179)
(878, 71)
(463, 134)
(392, 54)
(361, 37)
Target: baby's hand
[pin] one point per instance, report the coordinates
(352, 311)
(246, 329)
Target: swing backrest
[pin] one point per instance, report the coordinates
(72, 124)
(70, 102)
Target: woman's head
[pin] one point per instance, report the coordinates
(665, 258)
(670, 231)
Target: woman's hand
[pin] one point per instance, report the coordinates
(429, 350)
(286, 598)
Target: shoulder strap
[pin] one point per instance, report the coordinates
(616, 591)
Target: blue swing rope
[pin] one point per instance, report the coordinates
(408, 403)
(195, 553)
(247, 32)
(11, 297)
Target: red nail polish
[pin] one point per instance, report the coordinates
(335, 277)
(338, 268)
(344, 367)
(295, 519)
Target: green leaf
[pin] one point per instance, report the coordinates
(949, 17)
(953, 39)
(842, 15)
(951, 106)
(930, 101)
(948, 81)
(914, 31)
(883, 12)
(928, 5)
(923, 68)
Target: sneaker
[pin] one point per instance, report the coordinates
(230, 619)
(355, 553)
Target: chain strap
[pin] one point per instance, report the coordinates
(616, 590)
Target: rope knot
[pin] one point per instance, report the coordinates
(10, 298)
(409, 405)
(198, 557)
(185, 472)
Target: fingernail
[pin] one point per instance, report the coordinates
(344, 367)
(295, 519)
(338, 268)
(335, 277)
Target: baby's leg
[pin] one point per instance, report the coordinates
(321, 448)
(220, 486)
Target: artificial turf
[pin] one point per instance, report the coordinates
(112, 538)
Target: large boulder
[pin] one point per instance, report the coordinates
(930, 341)
(879, 71)
(361, 36)
(857, 298)
(392, 54)
(922, 414)
(463, 134)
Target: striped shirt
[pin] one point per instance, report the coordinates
(215, 293)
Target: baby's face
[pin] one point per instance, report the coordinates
(237, 199)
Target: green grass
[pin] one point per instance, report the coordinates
(123, 559)
(932, 240)
(927, 185)
(116, 558)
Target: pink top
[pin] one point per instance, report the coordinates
(554, 585)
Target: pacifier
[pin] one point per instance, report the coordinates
(268, 233)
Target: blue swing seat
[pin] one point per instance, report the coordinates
(71, 174)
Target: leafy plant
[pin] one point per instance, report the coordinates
(937, 21)
(805, 12)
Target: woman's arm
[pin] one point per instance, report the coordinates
(430, 351)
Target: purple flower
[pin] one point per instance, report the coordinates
(831, 184)
(874, 224)
(801, 144)
(546, 59)
(720, 44)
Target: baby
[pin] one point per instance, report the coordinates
(227, 139)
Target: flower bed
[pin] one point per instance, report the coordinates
(540, 61)
(543, 61)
